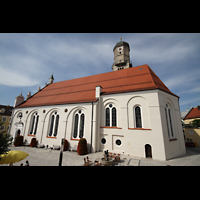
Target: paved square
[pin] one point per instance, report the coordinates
(47, 157)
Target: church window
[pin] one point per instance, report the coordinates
(81, 125)
(138, 119)
(118, 142)
(79, 121)
(111, 116)
(114, 117)
(34, 124)
(54, 122)
(107, 117)
(103, 141)
(168, 115)
(75, 126)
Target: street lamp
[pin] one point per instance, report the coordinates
(61, 151)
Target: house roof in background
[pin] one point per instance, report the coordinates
(194, 113)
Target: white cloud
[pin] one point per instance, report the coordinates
(190, 90)
(190, 101)
(16, 78)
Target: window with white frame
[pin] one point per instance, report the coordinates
(54, 122)
(168, 115)
(111, 115)
(79, 121)
(138, 118)
(34, 124)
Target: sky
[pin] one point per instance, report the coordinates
(27, 60)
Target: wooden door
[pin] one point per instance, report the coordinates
(148, 151)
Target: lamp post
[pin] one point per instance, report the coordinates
(61, 152)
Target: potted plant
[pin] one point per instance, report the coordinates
(33, 142)
(82, 147)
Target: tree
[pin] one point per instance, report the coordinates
(5, 141)
(196, 123)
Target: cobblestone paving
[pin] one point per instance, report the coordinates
(47, 157)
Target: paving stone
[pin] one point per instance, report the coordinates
(47, 157)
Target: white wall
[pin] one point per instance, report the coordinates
(65, 128)
(153, 132)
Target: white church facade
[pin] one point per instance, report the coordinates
(128, 110)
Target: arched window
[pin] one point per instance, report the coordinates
(79, 121)
(111, 116)
(138, 119)
(168, 115)
(34, 124)
(54, 122)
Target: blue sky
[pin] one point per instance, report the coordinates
(27, 60)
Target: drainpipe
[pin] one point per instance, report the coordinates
(91, 129)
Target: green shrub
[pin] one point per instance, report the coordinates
(82, 147)
(18, 141)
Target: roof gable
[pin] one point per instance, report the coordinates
(83, 89)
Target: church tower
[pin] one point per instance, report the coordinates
(121, 56)
(18, 100)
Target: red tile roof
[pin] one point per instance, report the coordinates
(194, 113)
(83, 89)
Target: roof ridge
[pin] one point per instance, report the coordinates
(159, 82)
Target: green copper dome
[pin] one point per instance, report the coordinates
(120, 44)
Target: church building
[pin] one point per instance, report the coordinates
(126, 111)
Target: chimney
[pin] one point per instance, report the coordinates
(98, 91)
(28, 95)
(198, 107)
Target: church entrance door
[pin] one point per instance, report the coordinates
(18, 132)
(148, 151)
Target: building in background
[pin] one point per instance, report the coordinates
(5, 117)
(191, 130)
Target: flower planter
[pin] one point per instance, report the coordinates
(33, 142)
(18, 141)
(82, 147)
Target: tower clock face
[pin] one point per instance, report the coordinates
(120, 48)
